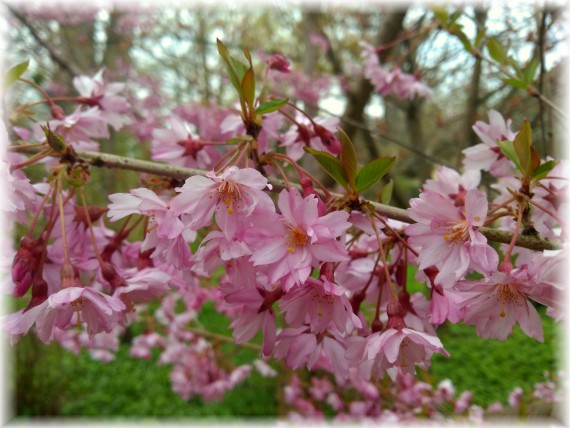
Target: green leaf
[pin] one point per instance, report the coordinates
(463, 38)
(441, 14)
(530, 71)
(543, 170)
(271, 105)
(496, 50)
(509, 151)
(248, 87)
(515, 83)
(330, 164)
(240, 68)
(15, 72)
(373, 171)
(348, 158)
(479, 37)
(523, 148)
(386, 195)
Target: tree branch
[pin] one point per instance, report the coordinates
(113, 161)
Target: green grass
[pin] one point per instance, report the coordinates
(491, 368)
(53, 381)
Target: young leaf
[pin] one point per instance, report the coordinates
(522, 146)
(530, 70)
(441, 14)
(248, 87)
(348, 158)
(15, 72)
(386, 194)
(330, 164)
(515, 83)
(271, 105)
(543, 170)
(509, 151)
(373, 171)
(496, 50)
(240, 68)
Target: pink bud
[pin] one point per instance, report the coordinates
(25, 264)
(278, 62)
(328, 138)
(57, 112)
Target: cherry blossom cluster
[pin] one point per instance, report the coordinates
(405, 399)
(323, 279)
(393, 80)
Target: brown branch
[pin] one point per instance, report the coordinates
(113, 161)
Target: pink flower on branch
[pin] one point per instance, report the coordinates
(487, 156)
(448, 237)
(502, 300)
(297, 240)
(319, 303)
(235, 193)
(105, 96)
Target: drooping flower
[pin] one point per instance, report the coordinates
(394, 347)
(319, 303)
(448, 236)
(502, 300)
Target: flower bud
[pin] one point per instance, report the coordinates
(39, 294)
(56, 111)
(25, 264)
(278, 62)
(328, 138)
(112, 277)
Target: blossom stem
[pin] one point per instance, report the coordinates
(62, 222)
(495, 218)
(383, 256)
(509, 249)
(546, 210)
(301, 170)
(37, 214)
(285, 178)
(24, 147)
(504, 204)
(396, 234)
(90, 227)
(31, 160)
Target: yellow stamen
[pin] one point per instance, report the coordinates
(297, 238)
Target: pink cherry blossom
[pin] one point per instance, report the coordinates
(105, 96)
(295, 241)
(179, 146)
(501, 301)
(235, 193)
(487, 156)
(448, 237)
(319, 303)
(303, 134)
(394, 347)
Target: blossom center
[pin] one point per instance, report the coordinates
(229, 194)
(458, 233)
(508, 293)
(297, 238)
(191, 146)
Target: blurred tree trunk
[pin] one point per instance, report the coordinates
(358, 99)
(469, 137)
